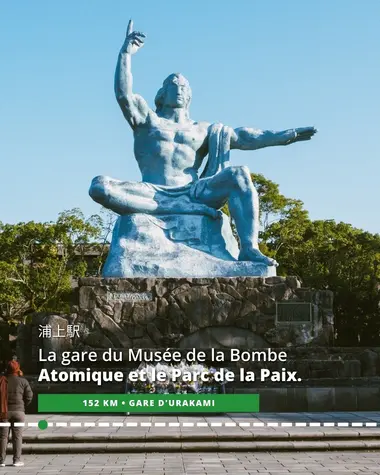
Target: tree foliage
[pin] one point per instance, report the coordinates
(39, 260)
(325, 254)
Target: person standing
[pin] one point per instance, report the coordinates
(15, 395)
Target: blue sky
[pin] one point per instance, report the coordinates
(267, 64)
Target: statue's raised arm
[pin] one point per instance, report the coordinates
(133, 106)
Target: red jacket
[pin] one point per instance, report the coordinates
(3, 397)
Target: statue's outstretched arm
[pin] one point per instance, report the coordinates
(251, 139)
(133, 106)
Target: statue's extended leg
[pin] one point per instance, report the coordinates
(234, 185)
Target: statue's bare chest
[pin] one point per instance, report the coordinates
(192, 135)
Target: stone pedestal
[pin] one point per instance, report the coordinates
(235, 312)
(177, 245)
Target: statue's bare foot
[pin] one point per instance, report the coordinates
(255, 255)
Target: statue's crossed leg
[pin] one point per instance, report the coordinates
(127, 197)
(204, 196)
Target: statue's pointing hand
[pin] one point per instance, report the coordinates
(134, 40)
(304, 133)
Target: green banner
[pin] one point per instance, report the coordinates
(59, 403)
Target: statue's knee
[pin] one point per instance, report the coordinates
(241, 177)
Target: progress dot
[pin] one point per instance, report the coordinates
(42, 425)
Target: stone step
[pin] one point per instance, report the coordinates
(208, 446)
(204, 436)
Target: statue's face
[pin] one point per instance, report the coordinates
(176, 92)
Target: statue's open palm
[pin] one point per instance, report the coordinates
(134, 40)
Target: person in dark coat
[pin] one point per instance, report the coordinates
(15, 395)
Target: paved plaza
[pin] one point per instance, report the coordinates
(276, 443)
(317, 463)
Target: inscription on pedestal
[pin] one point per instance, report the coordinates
(131, 296)
(293, 312)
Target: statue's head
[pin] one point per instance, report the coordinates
(175, 92)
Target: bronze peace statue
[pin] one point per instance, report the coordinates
(170, 223)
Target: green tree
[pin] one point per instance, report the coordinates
(273, 204)
(107, 222)
(39, 260)
(344, 259)
(328, 255)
